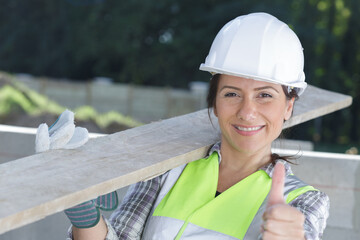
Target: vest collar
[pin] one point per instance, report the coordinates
(268, 168)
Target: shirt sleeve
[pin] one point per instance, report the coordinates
(127, 222)
(111, 235)
(315, 206)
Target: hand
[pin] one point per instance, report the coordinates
(281, 221)
(87, 214)
(61, 134)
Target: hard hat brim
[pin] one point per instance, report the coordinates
(299, 85)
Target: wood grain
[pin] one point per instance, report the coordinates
(40, 185)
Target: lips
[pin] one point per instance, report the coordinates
(248, 131)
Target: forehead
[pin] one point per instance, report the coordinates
(244, 83)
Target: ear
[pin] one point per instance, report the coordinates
(289, 109)
(215, 111)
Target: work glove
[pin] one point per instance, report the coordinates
(87, 214)
(63, 134)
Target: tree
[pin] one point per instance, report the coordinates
(163, 42)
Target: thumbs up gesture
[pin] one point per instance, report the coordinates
(281, 221)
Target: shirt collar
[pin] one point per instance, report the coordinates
(268, 168)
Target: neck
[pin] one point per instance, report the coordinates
(241, 162)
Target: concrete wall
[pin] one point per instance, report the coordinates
(336, 174)
(145, 104)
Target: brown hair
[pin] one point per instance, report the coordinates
(211, 97)
(211, 100)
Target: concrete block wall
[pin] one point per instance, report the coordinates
(15, 145)
(145, 104)
(338, 175)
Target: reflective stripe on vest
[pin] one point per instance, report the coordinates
(202, 216)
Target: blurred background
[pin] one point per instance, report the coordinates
(121, 64)
(160, 45)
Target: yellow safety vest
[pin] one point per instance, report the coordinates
(190, 210)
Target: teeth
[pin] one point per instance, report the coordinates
(248, 129)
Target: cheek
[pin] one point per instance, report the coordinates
(223, 107)
(219, 111)
(220, 108)
(275, 115)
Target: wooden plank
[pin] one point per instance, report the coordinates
(317, 102)
(43, 184)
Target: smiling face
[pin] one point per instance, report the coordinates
(250, 113)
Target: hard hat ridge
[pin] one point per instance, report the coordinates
(260, 47)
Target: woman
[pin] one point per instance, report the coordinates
(236, 192)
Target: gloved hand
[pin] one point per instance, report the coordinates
(87, 214)
(64, 134)
(61, 134)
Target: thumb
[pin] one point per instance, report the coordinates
(42, 140)
(276, 194)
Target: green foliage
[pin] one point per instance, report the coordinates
(86, 113)
(18, 99)
(163, 42)
(12, 100)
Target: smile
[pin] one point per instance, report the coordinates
(248, 129)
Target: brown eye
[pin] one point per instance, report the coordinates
(230, 94)
(265, 95)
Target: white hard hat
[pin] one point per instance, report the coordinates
(260, 47)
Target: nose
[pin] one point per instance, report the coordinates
(247, 110)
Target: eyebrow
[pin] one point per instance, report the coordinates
(230, 87)
(256, 89)
(266, 87)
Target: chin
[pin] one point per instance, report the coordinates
(246, 148)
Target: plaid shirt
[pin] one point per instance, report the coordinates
(128, 220)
